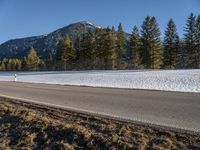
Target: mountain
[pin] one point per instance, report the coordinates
(44, 44)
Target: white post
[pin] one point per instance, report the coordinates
(15, 77)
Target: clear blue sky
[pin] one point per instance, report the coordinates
(22, 18)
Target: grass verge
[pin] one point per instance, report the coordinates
(31, 126)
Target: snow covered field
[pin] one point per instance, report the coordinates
(167, 80)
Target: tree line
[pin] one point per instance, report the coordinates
(109, 49)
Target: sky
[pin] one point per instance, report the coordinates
(23, 18)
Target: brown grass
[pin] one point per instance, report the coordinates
(31, 126)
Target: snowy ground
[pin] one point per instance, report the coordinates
(167, 80)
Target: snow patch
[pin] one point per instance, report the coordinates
(165, 80)
(91, 24)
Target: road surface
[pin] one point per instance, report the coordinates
(170, 109)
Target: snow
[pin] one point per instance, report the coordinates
(165, 80)
(91, 24)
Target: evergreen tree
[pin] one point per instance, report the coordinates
(145, 42)
(77, 46)
(12, 64)
(113, 30)
(100, 35)
(2, 66)
(42, 65)
(190, 42)
(87, 51)
(109, 49)
(197, 41)
(120, 48)
(135, 47)
(151, 44)
(50, 63)
(9, 65)
(18, 65)
(23, 64)
(66, 54)
(5, 62)
(61, 54)
(32, 60)
(171, 46)
(105, 48)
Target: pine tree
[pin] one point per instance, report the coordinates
(32, 60)
(135, 47)
(61, 54)
(12, 64)
(171, 46)
(197, 41)
(2, 66)
(145, 42)
(120, 47)
(105, 48)
(190, 42)
(70, 55)
(109, 49)
(87, 53)
(42, 65)
(151, 44)
(77, 46)
(23, 64)
(50, 64)
(9, 65)
(18, 65)
(99, 48)
(66, 54)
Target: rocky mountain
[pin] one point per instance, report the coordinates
(44, 44)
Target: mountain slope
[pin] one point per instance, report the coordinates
(44, 44)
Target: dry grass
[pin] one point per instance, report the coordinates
(31, 126)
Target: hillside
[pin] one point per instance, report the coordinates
(44, 44)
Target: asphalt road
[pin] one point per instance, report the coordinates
(171, 109)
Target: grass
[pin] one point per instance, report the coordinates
(30, 126)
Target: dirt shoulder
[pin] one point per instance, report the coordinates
(30, 126)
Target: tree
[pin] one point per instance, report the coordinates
(32, 60)
(17, 64)
(171, 46)
(135, 47)
(120, 47)
(109, 49)
(189, 42)
(87, 53)
(66, 54)
(100, 35)
(151, 43)
(105, 48)
(2, 66)
(23, 64)
(77, 46)
(50, 63)
(197, 40)
(9, 65)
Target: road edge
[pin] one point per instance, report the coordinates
(108, 116)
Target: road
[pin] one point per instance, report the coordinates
(170, 109)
